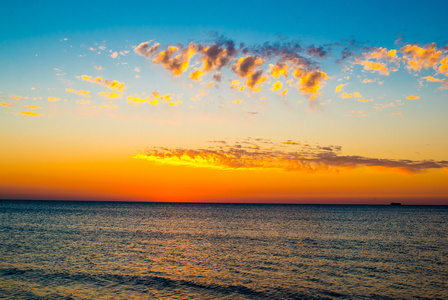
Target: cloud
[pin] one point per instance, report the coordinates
(245, 68)
(301, 157)
(246, 62)
(339, 87)
(144, 50)
(5, 104)
(114, 55)
(31, 106)
(319, 52)
(53, 99)
(311, 82)
(378, 59)
(112, 84)
(154, 99)
(80, 92)
(214, 57)
(423, 57)
(444, 66)
(277, 85)
(382, 53)
(109, 95)
(443, 81)
(15, 97)
(29, 113)
(375, 66)
(278, 69)
(412, 97)
(179, 63)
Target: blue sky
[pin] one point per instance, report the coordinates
(368, 21)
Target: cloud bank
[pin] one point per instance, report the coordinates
(287, 156)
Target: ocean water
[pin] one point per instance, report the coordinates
(105, 250)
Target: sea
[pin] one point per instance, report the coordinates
(119, 250)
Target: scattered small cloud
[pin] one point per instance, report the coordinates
(29, 113)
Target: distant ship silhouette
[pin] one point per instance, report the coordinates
(395, 203)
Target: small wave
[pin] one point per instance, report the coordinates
(137, 282)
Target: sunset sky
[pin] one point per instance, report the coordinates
(274, 102)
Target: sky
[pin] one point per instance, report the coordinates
(292, 102)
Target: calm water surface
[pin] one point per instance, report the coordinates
(82, 250)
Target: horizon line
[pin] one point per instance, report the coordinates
(216, 202)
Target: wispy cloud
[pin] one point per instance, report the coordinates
(112, 84)
(29, 113)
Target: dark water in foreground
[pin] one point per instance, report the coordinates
(81, 250)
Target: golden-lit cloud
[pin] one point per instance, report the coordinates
(154, 99)
(412, 97)
(5, 104)
(83, 93)
(109, 94)
(311, 83)
(53, 99)
(339, 87)
(432, 79)
(424, 57)
(80, 92)
(300, 157)
(443, 81)
(378, 59)
(179, 63)
(213, 57)
(29, 113)
(249, 64)
(15, 97)
(278, 69)
(245, 68)
(375, 66)
(345, 95)
(444, 66)
(31, 106)
(381, 53)
(196, 74)
(112, 84)
(277, 86)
